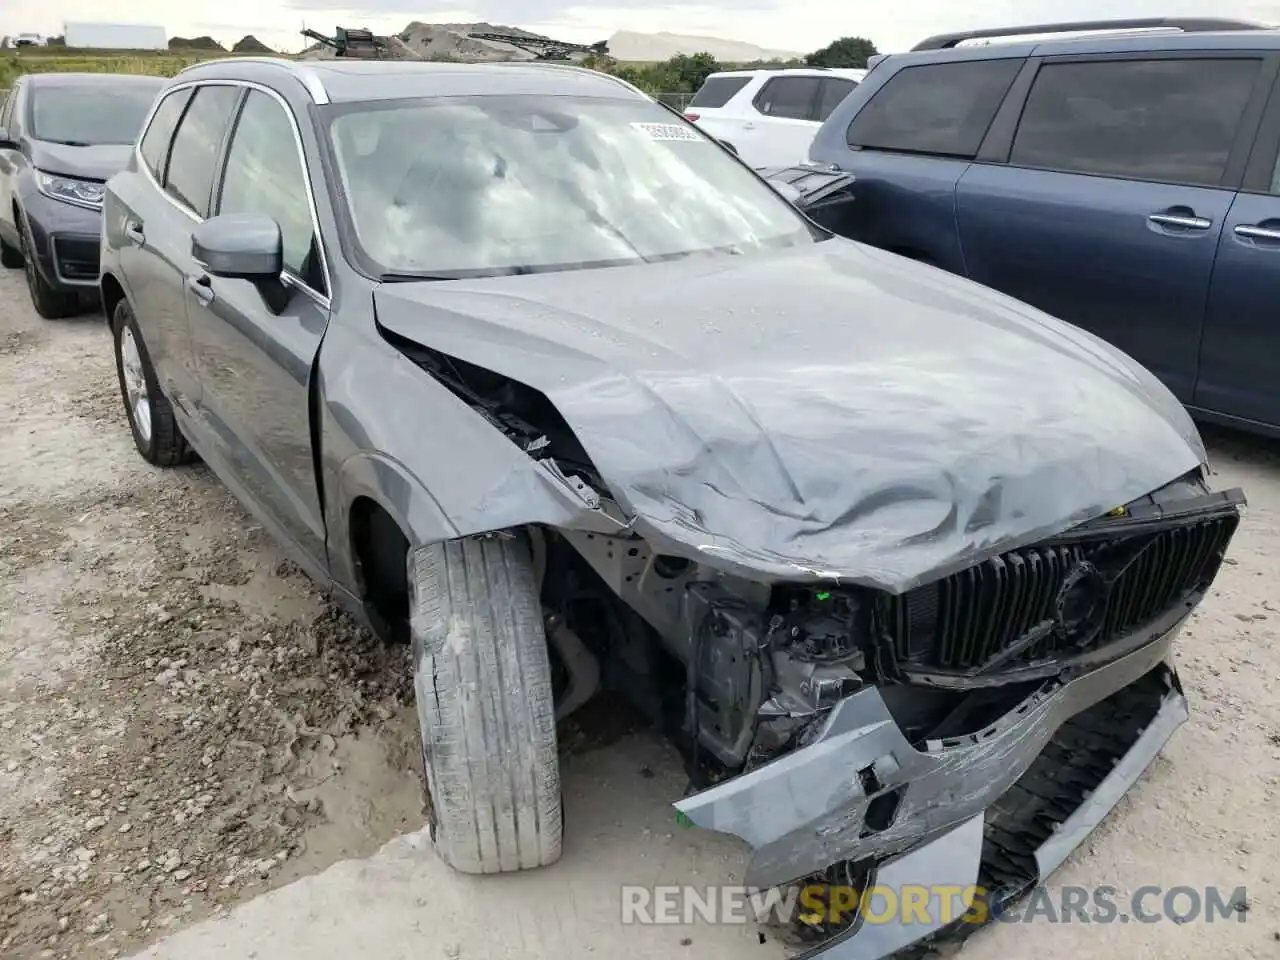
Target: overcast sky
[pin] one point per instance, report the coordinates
(779, 24)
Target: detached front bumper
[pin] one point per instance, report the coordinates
(1000, 808)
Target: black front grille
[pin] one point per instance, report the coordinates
(77, 257)
(1009, 610)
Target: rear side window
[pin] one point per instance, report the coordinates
(155, 142)
(1161, 120)
(717, 91)
(790, 97)
(195, 146)
(834, 90)
(937, 108)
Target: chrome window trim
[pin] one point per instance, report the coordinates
(287, 276)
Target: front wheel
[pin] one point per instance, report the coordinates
(10, 257)
(482, 677)
(50, 302)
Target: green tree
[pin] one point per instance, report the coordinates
(846, 52)
(680, 74)
(692, 71)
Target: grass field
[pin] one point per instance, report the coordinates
(160, 63)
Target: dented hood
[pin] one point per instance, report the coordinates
(823, 412)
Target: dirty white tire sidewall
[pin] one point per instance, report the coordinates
(482, 679)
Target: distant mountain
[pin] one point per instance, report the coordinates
(627, 45)
(195, 43)
(250, 44)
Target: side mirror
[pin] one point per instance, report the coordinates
(7, 142)
(239, 246)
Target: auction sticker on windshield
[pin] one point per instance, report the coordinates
(667, 131)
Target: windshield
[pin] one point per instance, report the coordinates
(90, 114)
(485, 186)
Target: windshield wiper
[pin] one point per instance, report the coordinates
(410, 277)
(70, 143)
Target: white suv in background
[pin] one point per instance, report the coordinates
(770, 116)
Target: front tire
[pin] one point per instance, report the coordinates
(482, 677)
(50, 303)
(155, 432)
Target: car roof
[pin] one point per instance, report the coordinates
(79, 79)
(336, 81)
(847, 72)
(1098, 43)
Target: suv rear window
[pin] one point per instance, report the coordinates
(938, 108)
(1163, 120)
(717, 91)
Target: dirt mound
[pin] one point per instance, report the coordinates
(454, 40)
(196, 43)
(446, 41)
(250, 44)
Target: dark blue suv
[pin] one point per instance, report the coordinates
(1126, 182)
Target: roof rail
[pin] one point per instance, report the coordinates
(947, 41)
(305, 75)
(562, 65)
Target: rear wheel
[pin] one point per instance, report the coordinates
(155, 432)
(482, 676)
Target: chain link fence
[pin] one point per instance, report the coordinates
(677, 101)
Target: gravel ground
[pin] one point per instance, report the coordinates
(185, 723)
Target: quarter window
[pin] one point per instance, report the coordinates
(155, 142)
(789, 97)
(936, 108)
(1168, 121)
(195, 146)
(265, 174)
(834, 90)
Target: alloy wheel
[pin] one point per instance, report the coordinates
(135, 385)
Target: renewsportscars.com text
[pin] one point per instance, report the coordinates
(930, 905)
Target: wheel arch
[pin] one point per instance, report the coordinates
(379, 547)
(112, 292)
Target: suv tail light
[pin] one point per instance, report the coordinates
(691, 117)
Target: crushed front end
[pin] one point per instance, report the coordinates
(968, 732)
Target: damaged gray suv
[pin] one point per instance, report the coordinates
(530, 373)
